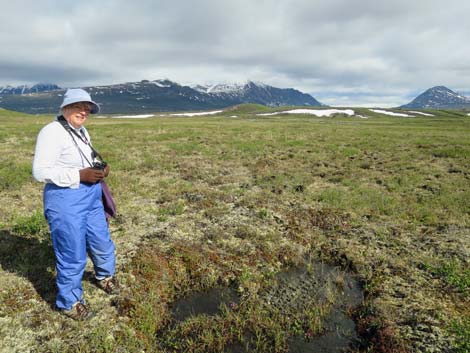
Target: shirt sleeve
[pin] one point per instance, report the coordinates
(46, 166)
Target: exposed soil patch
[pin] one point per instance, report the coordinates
(206, 302)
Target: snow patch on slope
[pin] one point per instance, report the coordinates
(420, 113)
(198, 113)
(142, 116)
(159, 84)
(386, 112)
(316, 112)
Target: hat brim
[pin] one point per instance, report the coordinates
(95, 107)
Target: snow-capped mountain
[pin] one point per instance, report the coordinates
(25, 89)
(258, 92)
(438, 97)
(222, 88)
(162, 95)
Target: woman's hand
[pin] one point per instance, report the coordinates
(90, 175)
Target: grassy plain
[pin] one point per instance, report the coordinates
(233, 199)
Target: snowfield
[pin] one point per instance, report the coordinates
(420, 113)
(198, 114)
(142, 116)
(386, 112)
(158, 84)
(319, 113)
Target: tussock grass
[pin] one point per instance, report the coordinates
(224, 201)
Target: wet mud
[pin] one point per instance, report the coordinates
(318, 284)
(208, 302)
(292, 292)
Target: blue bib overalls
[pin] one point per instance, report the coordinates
(78, 226)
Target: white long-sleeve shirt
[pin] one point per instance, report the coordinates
(57, 159)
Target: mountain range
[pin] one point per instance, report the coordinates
(157, 95)
(165, 95)
(24, 89)
(438, 97)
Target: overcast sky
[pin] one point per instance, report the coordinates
(343, 52)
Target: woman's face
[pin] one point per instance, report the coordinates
(77, 113)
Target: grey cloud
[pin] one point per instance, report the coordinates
(341, 46)
(19, 73)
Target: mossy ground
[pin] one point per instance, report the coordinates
(232, 201)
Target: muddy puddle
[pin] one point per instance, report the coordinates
(208, 302)
(318, 284)
(293, 291)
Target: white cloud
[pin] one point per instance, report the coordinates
(342, 52)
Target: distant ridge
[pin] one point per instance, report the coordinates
(438, 97)
(25, 89)
(157, 95)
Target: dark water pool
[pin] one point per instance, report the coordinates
(208, 302)
(293, 290)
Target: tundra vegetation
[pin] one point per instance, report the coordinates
(231, 201)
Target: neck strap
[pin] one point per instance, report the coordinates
(72, 132)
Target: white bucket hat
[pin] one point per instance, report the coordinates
(75, 95)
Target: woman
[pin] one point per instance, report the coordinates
(64, 160)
